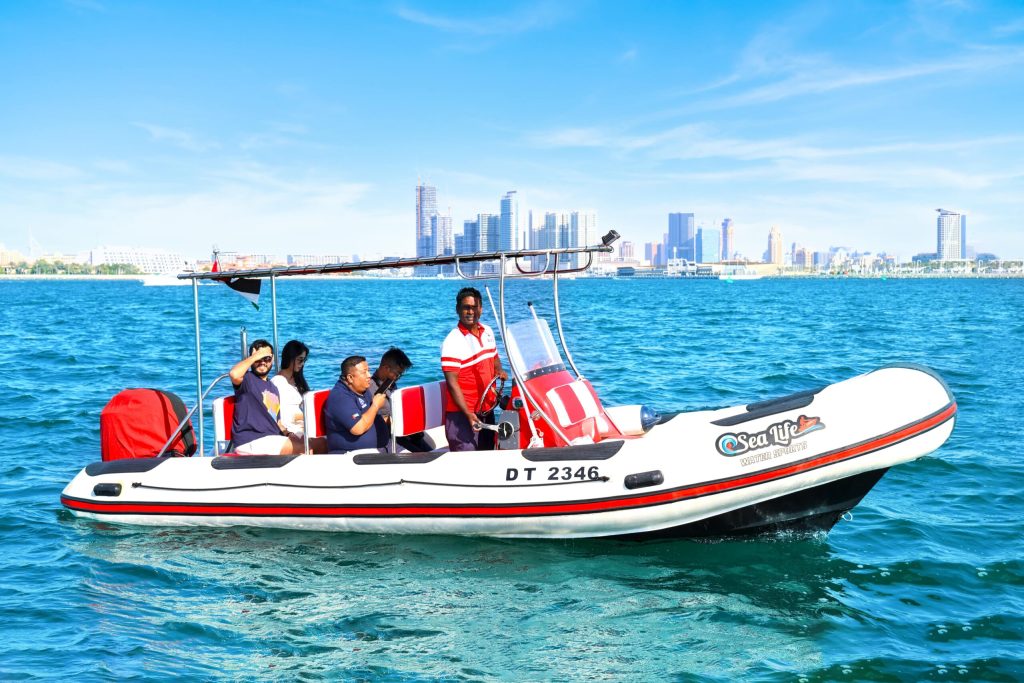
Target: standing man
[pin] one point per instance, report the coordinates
(351, 409)
(256, 428)
(469, 360)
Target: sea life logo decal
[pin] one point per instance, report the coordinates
(778, 434)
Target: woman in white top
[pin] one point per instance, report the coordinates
(292, 385)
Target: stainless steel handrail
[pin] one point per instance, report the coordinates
(558, 323)
(188, 416)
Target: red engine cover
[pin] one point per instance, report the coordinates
(136, 423)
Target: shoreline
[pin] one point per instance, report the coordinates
(791, 276)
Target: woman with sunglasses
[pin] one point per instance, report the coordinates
(291, 387)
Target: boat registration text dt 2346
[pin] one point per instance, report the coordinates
(552, 473)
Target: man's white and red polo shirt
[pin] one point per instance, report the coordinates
(472, 356)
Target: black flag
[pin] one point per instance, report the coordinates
(247, 287)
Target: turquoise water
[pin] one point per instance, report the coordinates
(926, 582)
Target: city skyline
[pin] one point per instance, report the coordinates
(841, 125)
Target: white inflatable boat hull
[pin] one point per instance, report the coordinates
(798, 462)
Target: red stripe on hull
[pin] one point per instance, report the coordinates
(519, 510)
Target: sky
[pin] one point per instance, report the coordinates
(304, 127)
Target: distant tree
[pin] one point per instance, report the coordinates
(116, 269)
(42, 267)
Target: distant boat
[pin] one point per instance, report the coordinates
(163, 280)
(741, 273)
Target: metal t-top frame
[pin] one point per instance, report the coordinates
(551, 267)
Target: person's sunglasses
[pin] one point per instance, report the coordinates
(268, 359)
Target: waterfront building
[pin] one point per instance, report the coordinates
(708, 245)
(728, 248)
(441, 226)
(659, 255)
(508, 229)
(774, 253)
(470, 237)
(950, 230)
(426, 209)
(681, 237)
(963, 236)
(149, 261)
(654, 253)
(426, 240)
(316, 259)
(489, 229)
(8, 256)
(470, 244)
(626, 251)
(582, 232)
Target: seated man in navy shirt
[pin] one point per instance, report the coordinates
(351, 409)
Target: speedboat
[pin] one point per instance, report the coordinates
(565, 466)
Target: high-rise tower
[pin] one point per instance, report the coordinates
(582, 232)
(951, 232)
(727, 240)
(508, 230)
(681, 236)
(426, 209)
(774, 253)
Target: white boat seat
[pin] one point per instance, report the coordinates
(223, 416)
(313, 403)
(418, 409)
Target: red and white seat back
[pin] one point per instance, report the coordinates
(223, 416)
(575, 408)
(418, 409)
(313, 403)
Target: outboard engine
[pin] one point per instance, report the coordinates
(136, 423)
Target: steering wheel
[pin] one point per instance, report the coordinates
(486, 404)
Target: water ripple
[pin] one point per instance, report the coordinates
(926, 581)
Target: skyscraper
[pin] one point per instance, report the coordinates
(963, 235)
(774, 253)
(470, 244)
(442, 229)
(426, 209)
(445, 240)
(489, 226)
(727, 240)
(681, 235)
(582, 232)
(470, 237)
(950, 233)
(708, 248)
(508, 234)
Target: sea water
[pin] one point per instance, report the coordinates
(925, 582)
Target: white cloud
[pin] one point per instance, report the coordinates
(178, 138)
(821, 78)
(242, 207)
(277, 135)
(24, 168)
(520, 20)
(1010, 28)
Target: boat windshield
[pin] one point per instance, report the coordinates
(531, 348)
